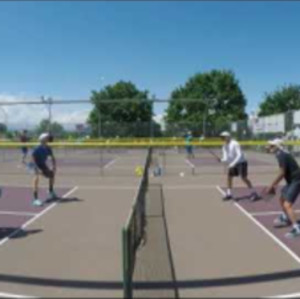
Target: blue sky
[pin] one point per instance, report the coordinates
(63, 49)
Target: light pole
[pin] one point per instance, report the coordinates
(49, 103)
(5, 116)
(99, 112)
(207, 112)
(204, 123)
(204, 117)
(5, 119)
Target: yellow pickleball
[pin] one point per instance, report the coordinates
(139, 170)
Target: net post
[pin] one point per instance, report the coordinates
(3, 154)
(127, 286)
(164, 161)
(193, 170)
(101, 161)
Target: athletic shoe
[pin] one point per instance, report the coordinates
(52, 195)
(227, 197)
(254, 197)
(37, 203)
(293, 233)
(281, 221)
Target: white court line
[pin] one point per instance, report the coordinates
(270, 213)
(13, 213)
(190, 163)
(174, 166)
(9, 295)
(37, 216)
(295, 295)
(111, 163)
(271, 235)
(107, 187)
(9, 185)
(133, 187)
(185, 187)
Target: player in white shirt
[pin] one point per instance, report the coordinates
(237, 166)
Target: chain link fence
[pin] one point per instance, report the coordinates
(284, 125)
(71, 119)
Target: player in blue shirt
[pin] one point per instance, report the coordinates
(39, 158)
(188, 146)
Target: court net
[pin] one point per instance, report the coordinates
(125, 158)
(133, 233)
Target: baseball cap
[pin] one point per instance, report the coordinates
(43, 136)
(225, 134)
(277, 142)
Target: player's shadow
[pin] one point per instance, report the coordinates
(64, 200)
(16, 232)
(241, 197)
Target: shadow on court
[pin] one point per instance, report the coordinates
(64, 200)
(154, 285)
(19, 233)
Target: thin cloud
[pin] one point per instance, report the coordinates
(25, 116)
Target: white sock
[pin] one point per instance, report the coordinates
(228, 192)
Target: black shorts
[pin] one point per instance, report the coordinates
(189, 149)
(24, 150)
(46, 172)
(291, 191)
(241, 169)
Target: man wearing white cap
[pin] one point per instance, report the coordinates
(290, 171)
(237, 165)
(40, 156)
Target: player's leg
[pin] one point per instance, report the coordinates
(51, 185)
(50, 175)
(243, 171)
(228, 195)
(36, 201)
(23, 155)
(192, 152)
(283, 219)
(290, 197)
(189, 151)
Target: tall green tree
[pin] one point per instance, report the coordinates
(56, 128)
(281, 100)
(121, 110)
(213, 98)
(3, 128)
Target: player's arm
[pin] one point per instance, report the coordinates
(53, 160)
(224, 155)
(280, 175)
(276, 181)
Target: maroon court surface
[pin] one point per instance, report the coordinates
(16, 208)
(265, 211)
(211, 161)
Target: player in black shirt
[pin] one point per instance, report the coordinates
(290, 171)
(24, 139)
